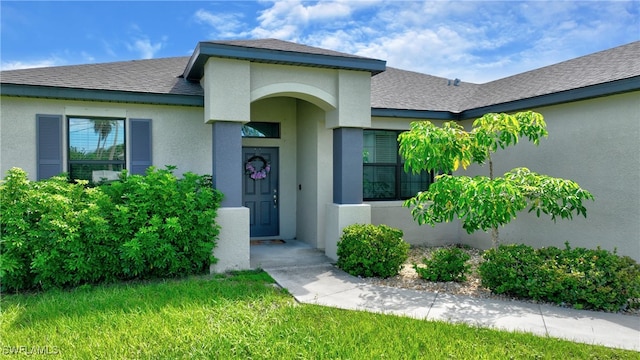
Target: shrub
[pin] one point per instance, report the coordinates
(370, 250)
(166, 223)
(582, 278)
(54, 233)
(446, 264)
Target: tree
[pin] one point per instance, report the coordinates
(103, 128)
(482, 202)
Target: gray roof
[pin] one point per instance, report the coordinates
(401, 89)
(615, 64)
(156, 76)
(280, 45)
(275, 51)
(392, 89)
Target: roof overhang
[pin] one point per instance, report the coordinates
(562, 97)
(51, 92)
(204, 50)
(594, 91)
(414, 114)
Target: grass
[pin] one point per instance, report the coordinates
(242, 316)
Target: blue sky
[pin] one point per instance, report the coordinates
(476, 41)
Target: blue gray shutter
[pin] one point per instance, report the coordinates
(48, 145)
(140, 140)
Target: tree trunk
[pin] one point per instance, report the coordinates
(113, 146)
(495, 240)
(495, 236)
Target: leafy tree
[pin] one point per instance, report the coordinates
(482, 202)
(102, 128)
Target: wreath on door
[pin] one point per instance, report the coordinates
(257, 167)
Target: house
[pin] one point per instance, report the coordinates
(302, 140)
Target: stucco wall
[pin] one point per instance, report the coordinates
(595, 143)
(179, 136)
(393, 214)
(318, 86)
(226, 89)
(315, 172)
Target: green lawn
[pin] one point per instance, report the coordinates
(242, 316)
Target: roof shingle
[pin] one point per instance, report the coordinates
(401, 89)
(391, 89)
(619, 63)
(156, 76)
(280, 45)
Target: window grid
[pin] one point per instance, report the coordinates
(96, 148)
(384, 177)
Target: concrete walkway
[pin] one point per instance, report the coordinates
(311, 278)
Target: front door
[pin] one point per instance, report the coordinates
(260, 189)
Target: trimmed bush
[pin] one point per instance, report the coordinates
(581, 278)
(446, 264)
(370, 250)
(54, 233)
(165, 223)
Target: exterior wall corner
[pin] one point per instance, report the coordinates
(354, 101)
(232, 249)
(227, 92)
(338, 217)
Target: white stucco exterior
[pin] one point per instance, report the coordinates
(226, 90)
(308, 103)
(179, 136)
(394, 214)
(595, 143)
(315, 173)
(339, 217)
(232, 248)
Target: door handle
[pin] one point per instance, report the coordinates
(275, 197)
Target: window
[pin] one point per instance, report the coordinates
(261, 130)
(384, 177)
(96, 148)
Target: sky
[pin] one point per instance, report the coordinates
(475, 41)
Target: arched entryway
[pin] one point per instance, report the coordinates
(323, 111)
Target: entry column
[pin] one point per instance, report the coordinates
(227, 161)
(347, 207)
(227, 105)
(232, 249)
(347, 165)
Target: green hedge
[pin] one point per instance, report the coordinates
(582, 278)
(446, 264)
(54, 233)
(370, 250)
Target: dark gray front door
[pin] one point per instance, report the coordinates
(261, 193)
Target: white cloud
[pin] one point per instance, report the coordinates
(144, 47)
(87, 57)
(16, 65)
(289, 20)
(475, 41)
(225, 25)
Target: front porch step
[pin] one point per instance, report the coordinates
(287, 254)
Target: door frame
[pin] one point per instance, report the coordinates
(276, 187)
